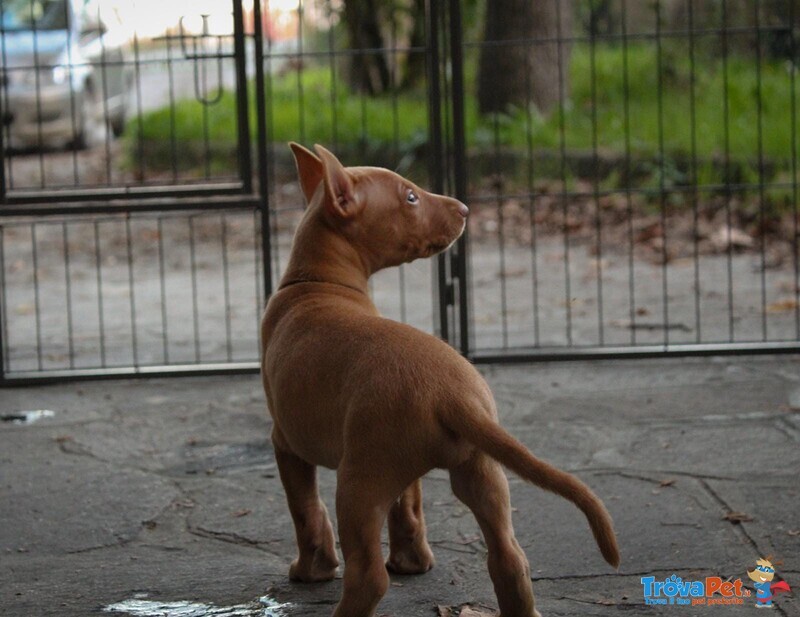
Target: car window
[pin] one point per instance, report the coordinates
(33, 14)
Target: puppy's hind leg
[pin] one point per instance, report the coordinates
(317, 559)
(362, 504)
(481, 484)
(409, 552)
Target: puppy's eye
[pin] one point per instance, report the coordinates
(412, 198)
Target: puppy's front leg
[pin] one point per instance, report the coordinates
(315, 542)
(409, 552)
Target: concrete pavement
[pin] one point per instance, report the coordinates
(162, 495)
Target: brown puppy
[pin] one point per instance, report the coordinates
(382, 402)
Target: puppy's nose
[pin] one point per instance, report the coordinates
(462, 209)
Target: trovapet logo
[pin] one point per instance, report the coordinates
(712, 590)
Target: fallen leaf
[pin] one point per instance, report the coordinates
(241, 513)
(471, 611)
(667, 482)
(24, 309)
(645, 325)
(782, 306)
(737, 517)
(794, 532)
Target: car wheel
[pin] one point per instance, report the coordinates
(118, 125)
(92, 120)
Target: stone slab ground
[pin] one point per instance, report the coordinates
(166, 491)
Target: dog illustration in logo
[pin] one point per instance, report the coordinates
(762, 580)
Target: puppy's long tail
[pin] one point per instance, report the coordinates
(478, 428)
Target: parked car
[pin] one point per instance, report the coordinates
(63, 73)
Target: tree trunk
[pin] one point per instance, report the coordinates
(415, 66)
(525, 71)
(369, 71)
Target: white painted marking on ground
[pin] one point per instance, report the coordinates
(263, 607)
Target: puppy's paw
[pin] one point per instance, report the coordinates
(411, 559)
(315, 570)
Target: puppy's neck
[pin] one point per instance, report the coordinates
(322, 254)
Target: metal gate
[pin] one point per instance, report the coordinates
(117, 251)
(600, 227)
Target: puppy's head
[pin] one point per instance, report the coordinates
(387, 218)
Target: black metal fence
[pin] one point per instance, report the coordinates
(631, 171)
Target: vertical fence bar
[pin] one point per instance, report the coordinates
(761, 192)
(72, 102)
(137, 71)
(162, 290)
(101, 326)
(68, 295)
(242, 108)
(436, 154)
(727, 164)
(596, 180)
(531, 175)
(460, 169)
(694, 179)
(3, 326)
(562, 137)
(501, 225)
(261, 152)
(795, 213)
(226, 285)
(195, 310)
(37, 303)
(3, 107)
(131, 291)
(5, 129)
(662, 193)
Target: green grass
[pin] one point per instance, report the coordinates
(674, 115)
(330, 113)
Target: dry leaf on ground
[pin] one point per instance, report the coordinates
(737, 517)
(782, 306)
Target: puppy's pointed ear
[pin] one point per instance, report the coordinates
(340, 196)
(309, 169)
